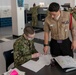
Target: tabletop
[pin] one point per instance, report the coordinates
(48, 70)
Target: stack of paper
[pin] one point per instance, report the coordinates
(66, 62)
(39, 64)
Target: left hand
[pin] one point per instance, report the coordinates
(73, 46)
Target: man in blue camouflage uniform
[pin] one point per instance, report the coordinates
(24, 48)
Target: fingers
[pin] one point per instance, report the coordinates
(45, 52)
(73, 48)
(35, 55)
(38, 54)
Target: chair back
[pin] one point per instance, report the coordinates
(9, 59)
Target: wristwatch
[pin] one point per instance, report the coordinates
(46, 44)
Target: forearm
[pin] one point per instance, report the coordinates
(28, 57)
(34, 49)
(21, 58)
(46, 37)
(74, 34)
(73, 29)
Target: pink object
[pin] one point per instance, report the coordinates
(14, 72)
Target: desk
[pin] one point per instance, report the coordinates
(48, 70)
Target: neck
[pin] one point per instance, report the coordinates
(24, 36)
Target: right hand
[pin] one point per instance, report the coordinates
(45, 49)
(35, 55)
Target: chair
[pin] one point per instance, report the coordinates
(9, 59)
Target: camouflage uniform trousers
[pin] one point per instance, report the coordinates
(34, 20)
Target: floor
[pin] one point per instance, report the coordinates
(5, 31)
(6, 34)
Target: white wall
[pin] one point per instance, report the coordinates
(61, 2)
(5, 2)
(5, 8)
(30, 2)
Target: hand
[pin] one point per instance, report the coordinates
(36, 55)
(45, 49)
(73, 46)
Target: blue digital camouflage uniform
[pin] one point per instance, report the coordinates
(23, 49)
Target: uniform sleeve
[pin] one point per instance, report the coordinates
(46, 26)
(34, 49)
(74, 15)
(21, 54)
(73, 29)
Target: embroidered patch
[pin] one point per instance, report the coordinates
(65, 22)
(51, 25)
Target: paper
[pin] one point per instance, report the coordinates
(32, 65)
(19, 72)
(45, 59)
(66, 62)
(39, 64)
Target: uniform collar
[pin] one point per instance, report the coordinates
(26, 39)
(61, 15)
(27, 42)
(58, 17)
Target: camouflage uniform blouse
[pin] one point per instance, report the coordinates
(23, 49)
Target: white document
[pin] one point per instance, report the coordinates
(33, 65)
(39, 64)
(45, 59)
(66, 62)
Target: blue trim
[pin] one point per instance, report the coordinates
(4, 22)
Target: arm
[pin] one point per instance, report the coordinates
(33, 48)
(21, 54)
(73, 34)
(46, 45)
(46, 37)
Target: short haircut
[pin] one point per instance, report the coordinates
(54, 7)
(34, 4)
(28, 30)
